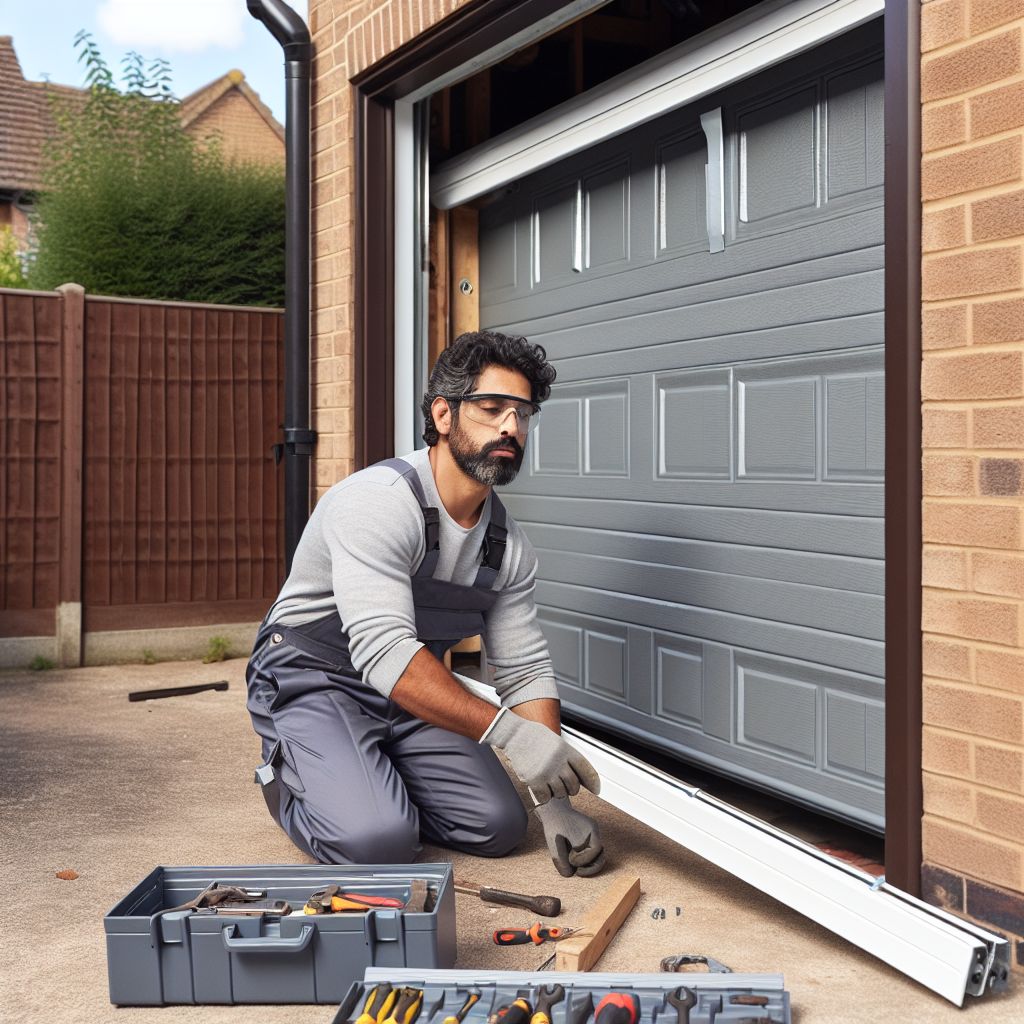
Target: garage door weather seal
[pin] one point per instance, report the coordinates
(952, 957)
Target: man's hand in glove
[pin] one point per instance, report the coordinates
(573, 839)
(540, 757)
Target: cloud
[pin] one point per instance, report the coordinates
(183, 26)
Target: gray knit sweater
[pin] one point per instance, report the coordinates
(362, 544)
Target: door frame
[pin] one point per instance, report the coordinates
(484, 24)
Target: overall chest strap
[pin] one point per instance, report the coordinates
(492, 549)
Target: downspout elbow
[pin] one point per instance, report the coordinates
(285, 26)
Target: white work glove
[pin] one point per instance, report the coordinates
(573, 839)
(541, 758)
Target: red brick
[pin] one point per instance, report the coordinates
(945, 753)
(943, 22)
(973, 618)
(1001, 815)
(980, 526)
(999, 767)
(948, 474)
(997, 110)
(1002, 670)
(993, 375)
(963, 849)
(986, 14)
(972, 273)
(948, 798)
(944, 229)
(999, 427)
(944, 327)
(944, 659)
(991, 163)
(996, 573)
(944, 428)
(995, 218)
(997, 323)
(1000, 477)
(943, 125)
(971, 66)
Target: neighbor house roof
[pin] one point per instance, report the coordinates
(26, 113)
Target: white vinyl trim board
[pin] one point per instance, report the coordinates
(730, 52)
(951, 957)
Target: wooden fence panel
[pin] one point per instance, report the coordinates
(183, 501)
(30, 446)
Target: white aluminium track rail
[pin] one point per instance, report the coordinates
(952, 957)
(729, 52)
(946, 954)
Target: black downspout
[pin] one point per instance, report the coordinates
(291, 32)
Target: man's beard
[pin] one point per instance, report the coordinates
(479, 463)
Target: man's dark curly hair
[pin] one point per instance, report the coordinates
(458, 367)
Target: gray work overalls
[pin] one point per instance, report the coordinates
(349, 775)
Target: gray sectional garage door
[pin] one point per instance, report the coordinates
(705, 490)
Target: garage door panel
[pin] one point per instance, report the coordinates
(846, 333)
(814, 606)
(706, 485)
(822, 646)
(864, 575)
(829, 534)
(798, 257)
(729, 707)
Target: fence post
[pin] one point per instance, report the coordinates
(72, 451)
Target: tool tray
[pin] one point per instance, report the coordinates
(156, 958)
(444, 992)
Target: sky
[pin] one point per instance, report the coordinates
(202, 40)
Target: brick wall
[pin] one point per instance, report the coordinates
(348, 36)
(244, 134)
(972, 91)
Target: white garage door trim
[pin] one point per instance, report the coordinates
(953, 958)
(728, 53)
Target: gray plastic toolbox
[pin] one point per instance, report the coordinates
(155, 959)
(719, 998)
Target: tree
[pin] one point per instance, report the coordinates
(11, 273)
(131, 205)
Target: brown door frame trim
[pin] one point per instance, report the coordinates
(484, 23)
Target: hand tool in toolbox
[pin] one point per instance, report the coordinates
(518, 1011)
(471, 1000)
(618, 1008)
(406, 1008)
(545, 906)
(536, 933)
(256, 908)
(333, 900)
(547, 996)
(684, 1001)
(378, 1005)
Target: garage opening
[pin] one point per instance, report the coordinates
(706, 490)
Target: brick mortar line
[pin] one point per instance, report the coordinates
(1014, 844)
(975, 645)
(994, 245)
(958, 405)
(966, 97)
(980, 786)
(981, 690)
(966, 249)
(929, 304)
(1017, 24)
(973, 597)
(983, 453)
(977, 348)
(992, 191)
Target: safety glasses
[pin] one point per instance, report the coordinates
(493, 410)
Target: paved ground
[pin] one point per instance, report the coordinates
(111, 789)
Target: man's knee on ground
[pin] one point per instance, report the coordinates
(503, 828)
(369, 842)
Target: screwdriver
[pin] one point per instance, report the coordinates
(518, 1011)
(408, 1008)
(618, 1008)
(471, 999)
(378, 1004)
(536, 933)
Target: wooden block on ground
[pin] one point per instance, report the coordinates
(582, 951)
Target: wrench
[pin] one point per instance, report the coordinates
(682, 999)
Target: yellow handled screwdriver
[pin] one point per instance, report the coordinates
(408, 1007)
(471, 999)
(378, 1004)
